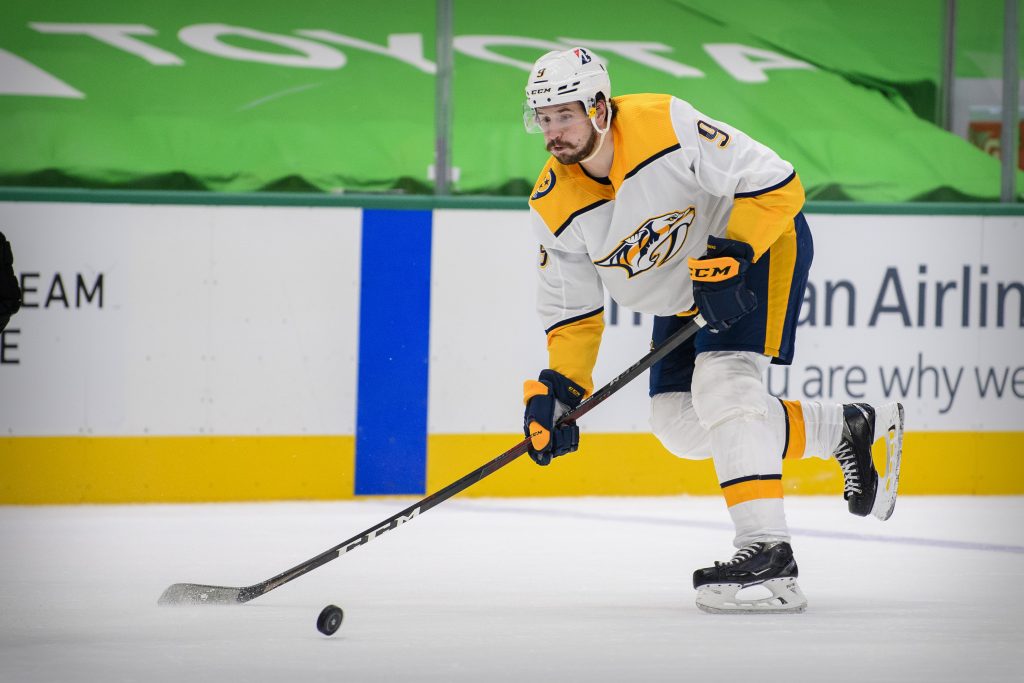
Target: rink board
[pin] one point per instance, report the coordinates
(193, 353)
(201, 469)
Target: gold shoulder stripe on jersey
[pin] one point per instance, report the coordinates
(562, 198)
(643, 133)
(654, 157)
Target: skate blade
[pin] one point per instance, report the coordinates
(891, 416)
(720, 598)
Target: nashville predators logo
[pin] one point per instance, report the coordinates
(654, 243)
(544, 185)
(543, 257)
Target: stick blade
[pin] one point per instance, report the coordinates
(199, 594)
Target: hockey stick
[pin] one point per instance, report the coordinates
(193, 593)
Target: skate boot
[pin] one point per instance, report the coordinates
(865, 491)
(759, 564)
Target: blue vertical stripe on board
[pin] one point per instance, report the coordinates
(394, 347)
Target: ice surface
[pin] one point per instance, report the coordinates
(592, 589)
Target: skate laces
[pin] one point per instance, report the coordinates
(742, 555)
(847, 460)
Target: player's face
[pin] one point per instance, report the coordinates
(568, 133)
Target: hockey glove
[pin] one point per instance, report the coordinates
(548, 398)
(719, 288)
(10, 294)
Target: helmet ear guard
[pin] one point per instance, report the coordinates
(560, 77)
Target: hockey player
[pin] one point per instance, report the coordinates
(10, 293)
(674, 213)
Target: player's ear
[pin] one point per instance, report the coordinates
(602, 111)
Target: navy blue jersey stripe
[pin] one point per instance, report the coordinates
(650, 159)
(755, 193)
(785, 415)
(740, 480)
(579, 212)
(569, 321)
(752, 477)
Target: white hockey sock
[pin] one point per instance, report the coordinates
(807, 428)
(749, 471)
(763, 519)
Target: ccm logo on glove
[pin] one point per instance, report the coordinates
(719, 288)
(547, 399)
(713, 270)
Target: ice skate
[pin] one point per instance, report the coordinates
(865, 491)
(770, 565)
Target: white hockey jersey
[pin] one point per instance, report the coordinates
(677, 177)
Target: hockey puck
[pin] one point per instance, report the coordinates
(329, 620)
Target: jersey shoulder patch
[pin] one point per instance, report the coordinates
(559, 197)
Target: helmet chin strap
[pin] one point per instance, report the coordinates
(601, 135)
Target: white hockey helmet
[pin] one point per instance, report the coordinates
(573, 75)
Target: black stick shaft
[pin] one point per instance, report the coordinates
(390, 523)
(418, 508)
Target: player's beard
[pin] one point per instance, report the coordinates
(568, 156)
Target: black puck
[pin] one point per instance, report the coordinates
(329, 620)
